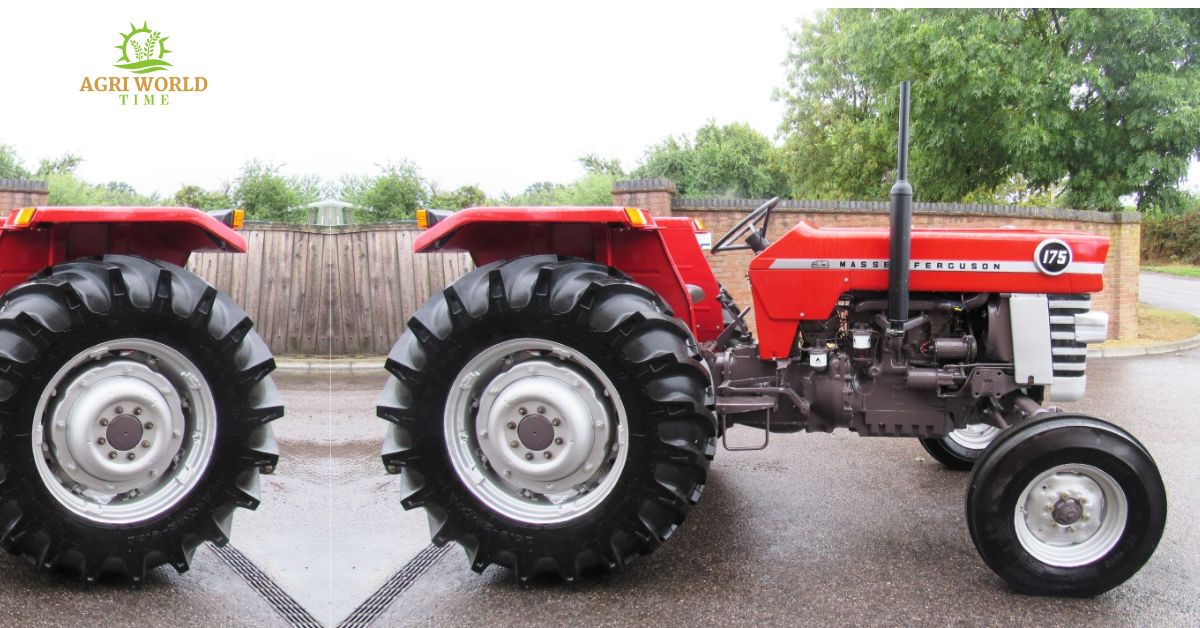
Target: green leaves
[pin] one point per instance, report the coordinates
(267, 195)
(732, 160)
(1096, 103)
(395, 193)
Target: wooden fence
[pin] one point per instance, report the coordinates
(319, 291)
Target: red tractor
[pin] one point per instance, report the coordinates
(555, 409)
(135, 399)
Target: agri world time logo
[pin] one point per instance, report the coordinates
(148, 48)
(142, 52)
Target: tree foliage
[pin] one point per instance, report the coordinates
(592, 189)
(1101, 103)
(395, 193)
(266, 194)
(732, 160)
(10, 164)
(464, 196)
(198, 197)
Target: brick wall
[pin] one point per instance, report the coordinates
(1119, 298)
(21, 193)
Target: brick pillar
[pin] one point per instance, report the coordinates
(21, 193)
(656, 195)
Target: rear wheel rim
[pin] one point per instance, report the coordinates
(976, 436)
(536, 431)
(1071, 515)
(124, 431)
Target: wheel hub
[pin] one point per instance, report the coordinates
(124, 432)
(536, 432)
(1071, 515)
(1067, 512)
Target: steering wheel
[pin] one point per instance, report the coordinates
(756, 239)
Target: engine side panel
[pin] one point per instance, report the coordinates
(801, 275)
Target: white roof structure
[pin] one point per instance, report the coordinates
(329, 212)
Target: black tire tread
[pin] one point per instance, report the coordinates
(87, 293)
(636, 325)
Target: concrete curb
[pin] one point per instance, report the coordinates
(318, 365)
(375, 364)
(1154, 349)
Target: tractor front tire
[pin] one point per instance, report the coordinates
(550, 415)
(135, 402)
(1067, 505)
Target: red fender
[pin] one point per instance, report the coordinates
(34, 238)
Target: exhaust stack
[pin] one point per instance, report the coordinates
(901, 227)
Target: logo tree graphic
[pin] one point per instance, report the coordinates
(148, 48)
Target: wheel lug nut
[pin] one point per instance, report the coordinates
(120, 410)
(130, 456)
(547, 455)
(541, 409)
(513, 444)
(522, 410)
(511, 425)
(112, 455)
(1065, 495)
(145, 443)
(529, 456)
(137, 410)
(558, 441)
(101, 441)
(103, 422)
(556, 422)
(149, 425)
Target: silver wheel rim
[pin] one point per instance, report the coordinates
(1071, 515)
(536, 431)
(976, 436)
(124, 431)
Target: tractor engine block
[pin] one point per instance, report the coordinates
(954, 365)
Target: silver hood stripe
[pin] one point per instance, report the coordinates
(932, 265)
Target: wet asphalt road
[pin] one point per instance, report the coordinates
(815, 530)
(1169, 291)
(835, 530)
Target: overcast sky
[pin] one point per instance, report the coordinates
(499, 94)
(490, 93)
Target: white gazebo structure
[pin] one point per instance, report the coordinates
(329, 212)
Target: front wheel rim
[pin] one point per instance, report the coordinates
(1071, 515)
(536, 431)
(124, 431)
(976, 436)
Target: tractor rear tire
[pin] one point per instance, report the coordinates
(550, 415)
(1067, 505)
(135, 402)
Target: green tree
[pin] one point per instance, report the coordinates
(65, 164)
(590, 190)
(198, 197)
(67, 189)
(394, 194)
(594, 164)
(732, 160)
(267, 195)
(464, 196)
(1101, 103)
(10, 164)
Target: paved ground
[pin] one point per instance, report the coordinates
(834, 530)
(1169, 291)
(817, 529)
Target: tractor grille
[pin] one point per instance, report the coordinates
(1072, 326)
(1068, 353)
